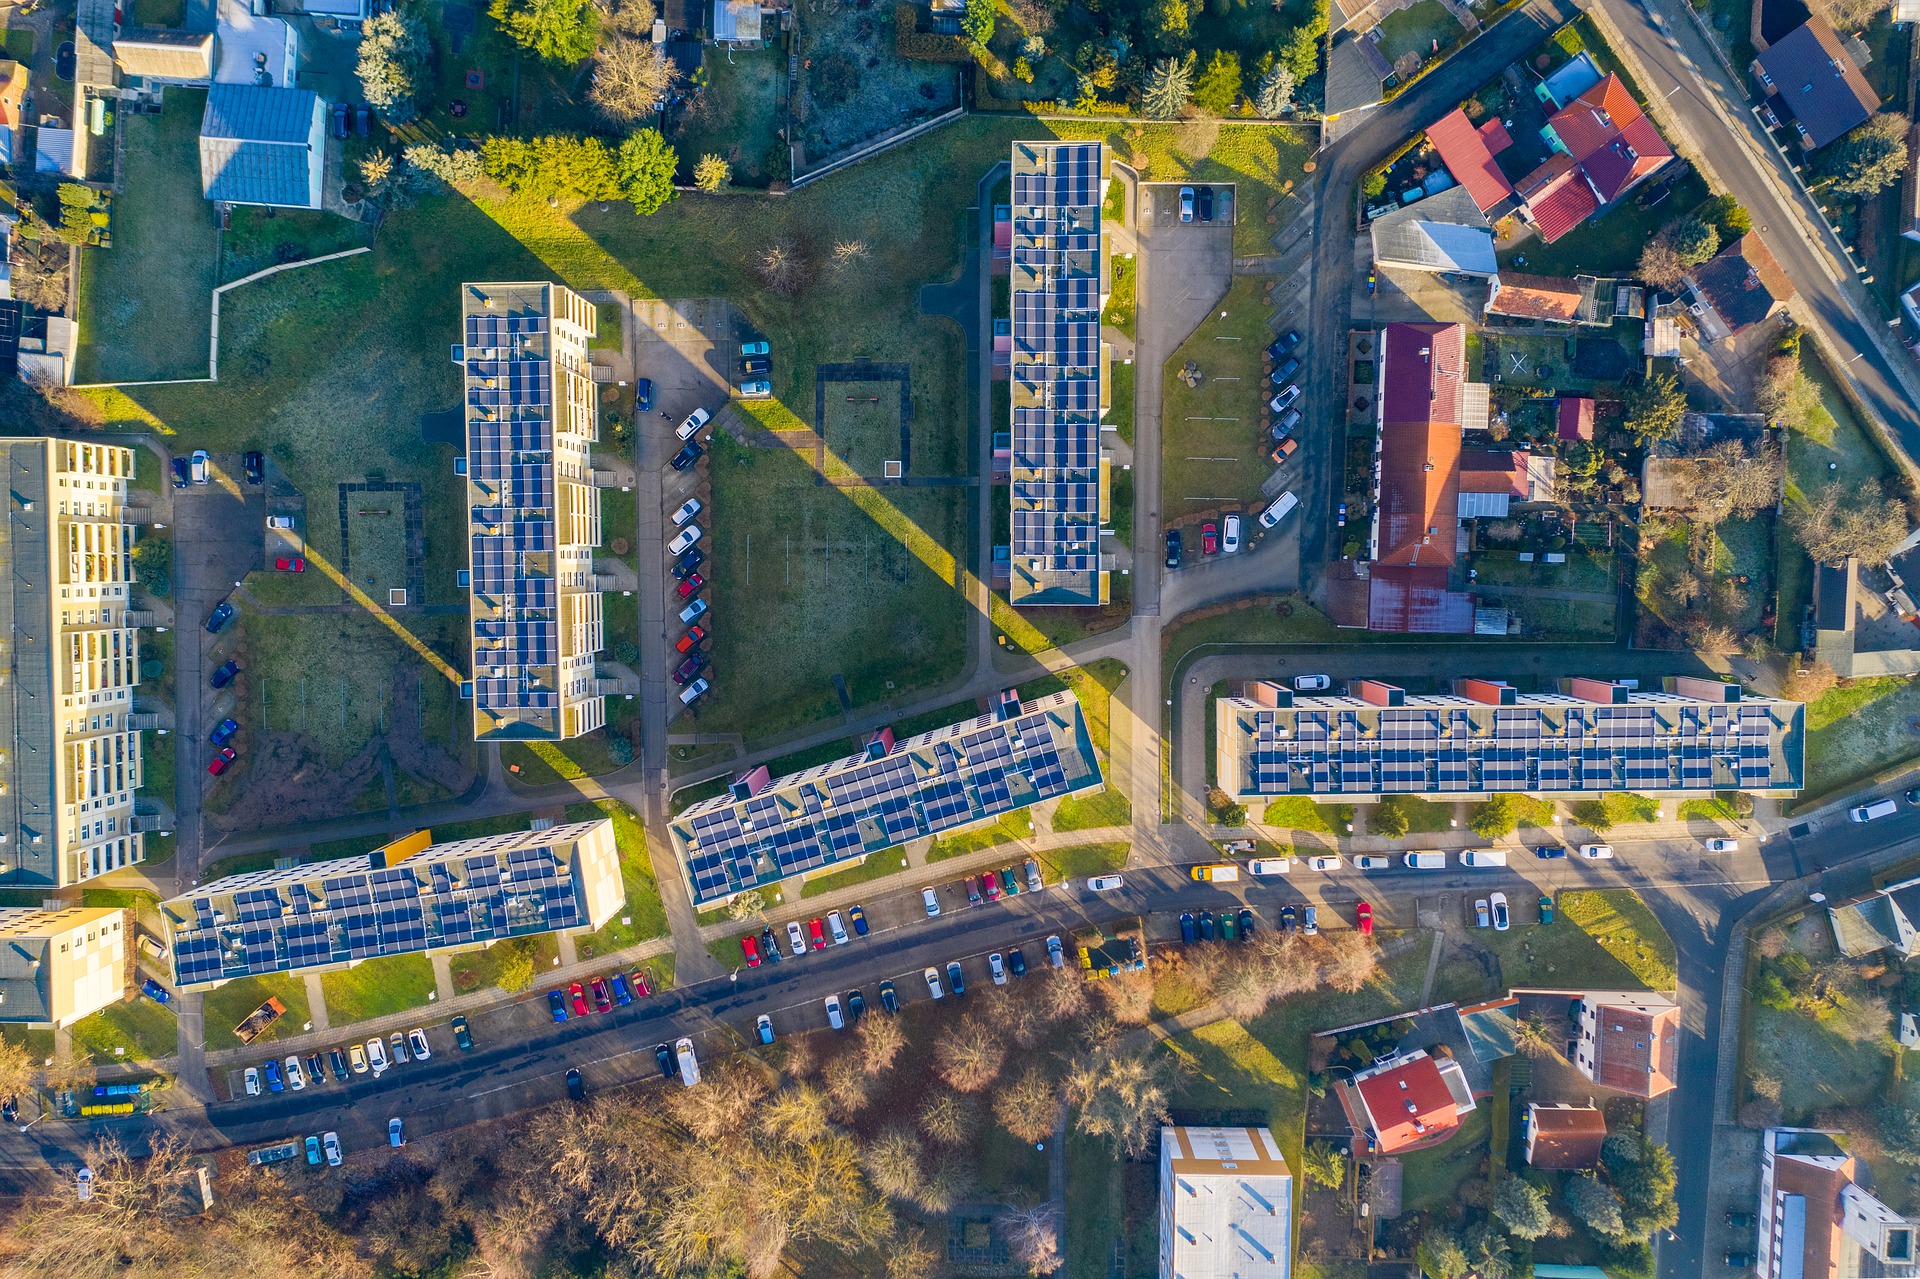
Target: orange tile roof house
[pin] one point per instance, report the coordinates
(1819, 1218)
(1535, 297)
(1815, 84)
(1564, 1137)
(1629, 1041)
(1468, 154)
(1408, 1101)
(1604, 146)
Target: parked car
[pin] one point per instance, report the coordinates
(272, 1072)
(1502, 921)
(220, 761)
(1309, 921)
(763, 1028)
(751, 949)
(889, 997)
(296, 1074)
(577, 999)
(1206, 204)
(461, 1034)
(932, 976)
(621, 995)
(758, 364)
(256, 467)
(337, 1061)
(1284, 400)
(251, 1076)
(1209, 538)
(201, 466)
(576, 1088)
(358, 1056)
(289, 564)
(1597, 852)
(1173, 548)
(1549, 852)
(182, 475)
(856, 1007)
(1288, 918)
(1372, 861)
(362, 120)
(396, 1133)
(1311, 683)
(1482, 913)
(663, 1060)
(1017, 962)
(818, 932)
(858, 917)
(834, 1020)
(1363, 915)
(643, 394)
(1054, 955)
(219, 617)
(691, 640)
(931, 900)
(398, 1043)
(690, 586)
(695, 420)
(1546, 909)
(973, 890)
(955, 978)
(1324, 862)
(688, 509)
(1246, 923)
(1283, 450)
(757, 389)
(1282, 506)
(1230, 535)
(1186, 204)
(997, 968)
(1262, 866)
(686, 457)
(691, 611)
(1206, 925)
(1034, 881)
(330, 1143)
(769, 946)
(1105, 883)
(225, 729)
(341, 112)
(1284, 374)
(796, 939)
(990, 886)
(224, 676)
(754, 348)
(1283, 344)
(685, 538)
(1740, 1221)
(557, 1005)
(1187, 930)
(837, 929)
(1719, 845)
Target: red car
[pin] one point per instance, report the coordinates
(283, 564)
(991, 883)
(818, 930)
(1210, 538)
(220, 761)
(751, 949)
(693, 637)
(1366, 919)
(641, 986)
(579, 997)
(691, 585)
(602, 997)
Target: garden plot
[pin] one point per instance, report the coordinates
(854, 87)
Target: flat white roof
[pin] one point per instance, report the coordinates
(1227, 1199)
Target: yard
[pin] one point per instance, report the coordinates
(1858, 729)
(1416, 30)
(1611, 243)
(738, 117)
(1263, 160)
(854, 87)
(227, 1006)
(255, 241)
(135, 1029)
(1214, 448)
(145, 304)
(513, 965)
(377, 988)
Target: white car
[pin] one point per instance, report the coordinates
(1501, 920)
(199, 466)
(296, 1077)
(1723, 845)
(933, 983)
(796, 940)
(417, 1040)
(1311, 683)
(1596, 852)
(834, 1019)
(1104, 883)
(1230, 535)
(695, 420)
(1326, 861)
(686, 512)
(377, 1054)
(330, 1142)
(1270, 866)
(1372, 861)
(396, 1134)
(998, 968)
(1053, 951)
(685, 538)
(931, 899)
(1480, 912)
(835, 927)
(253, 1081)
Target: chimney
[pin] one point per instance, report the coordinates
(1601, 692)
(1263, 692)
(1706, 690)
(1490, 692)
(1377, 693)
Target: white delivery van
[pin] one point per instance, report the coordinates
(1281, 508)
(1483, 857)
(689, 1064)
(1878, 808)
(1372, 861)
(1427, 859)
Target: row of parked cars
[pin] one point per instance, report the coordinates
(689, 656)
(375, 1058)
(766, 947)
(599, 994)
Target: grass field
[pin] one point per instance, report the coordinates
(227, 1006)
(255, 241)
(1622, 925)
(377, 543)
(499, 963)
(1213, 448)
(1605, 940)
(1122, 302)
(863, 428)
(644, 906)
(874, 867)
(377, 987)
(139, 1028)
(145, 304)
(1858, 729)
(1296, 812)
(1011, 826)
(1081, 860)
(738, 117)
(1262, 160)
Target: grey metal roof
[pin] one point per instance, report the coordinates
(25, 980)
(254, 145)
(1433, 246)
(27, 812)
(258, 113)
(1356, 70)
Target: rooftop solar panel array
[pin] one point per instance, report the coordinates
(1439, 745)
(348, 910)
(927, 785)
(1055, 323)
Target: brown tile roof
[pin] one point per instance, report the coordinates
(1821, 1186)
(1536, 297)
(1565, 1136)
(1636, 1051)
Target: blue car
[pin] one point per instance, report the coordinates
(272, 1071)
(1549, 852)
(220, 735)
(859, 918)
(620, 992)
(558, 1004)
(182, 476)
(155, 991)
(224, 676)
(643, 394)
(221, 616)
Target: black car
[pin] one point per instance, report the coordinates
(221, 616)
(1284, 374)
(956, 980)
(856, 1007)
(341, 112)
(1016, 962)
(1740, 1220)
(576, 1089)
(316, 1069)
(1187, 930)
(10, 1109)
(1739, 1261)
(224, 676)
(689, 668)
(363, 120)
(1283, 344)
(687, 456)
(684, 566)
(663, 1057)
(889, 998)
(462, 1035)
(338, 1061)
(1246, 923)
(256, 468)
(182, 473)
(1206, 925)
(1206, 203)
(769, 947)
(1173, 548)
(1287, 917)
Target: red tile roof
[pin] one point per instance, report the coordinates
(1595, 118)
(1636, 1051)
(1409, 1105)
(1424, 366)
(1536, 297)
(1416, 601)
(1464, 151)
(1576, 418)
(1610, 145)
(1495, 135)
(1564, 204)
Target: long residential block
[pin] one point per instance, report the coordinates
(1592, 736)
(410, 897)
(1226, 1205)
(69, 755)
(533, 514)
(57, 966)
(767, 829)
(1059, 481)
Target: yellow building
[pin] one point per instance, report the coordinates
(57, 966)
(69, 758)
(533, 513)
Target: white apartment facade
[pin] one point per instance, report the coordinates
(57, 966)
(1226, 1205)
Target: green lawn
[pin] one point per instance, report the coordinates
(1605, 940)
(539, 763)
(1858, 729)
(874, 867)
(825, 753)
(1424, 817)
(20, 40)
(1415, 28)
(144, 306)
(1296, 812)
(1093, 812)
(376, 988)
(1262, 160)
(1620, 923)
(498, 963)
(1213, 446)
(255, 241)
(144, 1029)
(1431, 1178)
(1096, 1205)
(1121, 302)
(1818, 1068)
(1092, 685)
(227, 1006)
(1120, 413)
(1610, 244)
(644, 906)
(1011, 826)
(1081, 860)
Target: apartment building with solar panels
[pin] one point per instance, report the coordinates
(533, 512)
(1591, 736)
(766, 829)
(1059, 485)
(69, 751)
(410, 897)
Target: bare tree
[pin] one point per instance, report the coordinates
(948, 1120)
(1033, 1237)
(1848, 15)
(1534, 1038)
(16, 1069)
(950, 1183)
(848, 254)
(723, 1103)
(796, 1113)
(121, 1230)
(782, 266)
(1660, 265)
(893, 1163)
(1129, 997)
(911, 1256)
(1864, 523)
(1063, 995)
(847, 1084)
(1244, 990)
(628, 17)
(881, 1042)
(969, 1056)
(1808, 683)
(1027, 1109)
(630, 77)
(1728, 479)
(1349, 959)
(1122, 1096)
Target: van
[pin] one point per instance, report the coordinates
(689, 1064)
(1427, 859)
(694, 692)
(1281, 508)
(1270, 866)
(1483, 857)
(1373, 861)
(1878, 808)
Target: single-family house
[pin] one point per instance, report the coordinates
(1408, 1101)
(1468, 153)
(1812, 83)
(1562, 1136)
(1885, 920)
(1737, 288)
(1603, 147)
(1444, 232)
(165, 55)
(261, 145)
(1535, 297)
(1491, 480)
